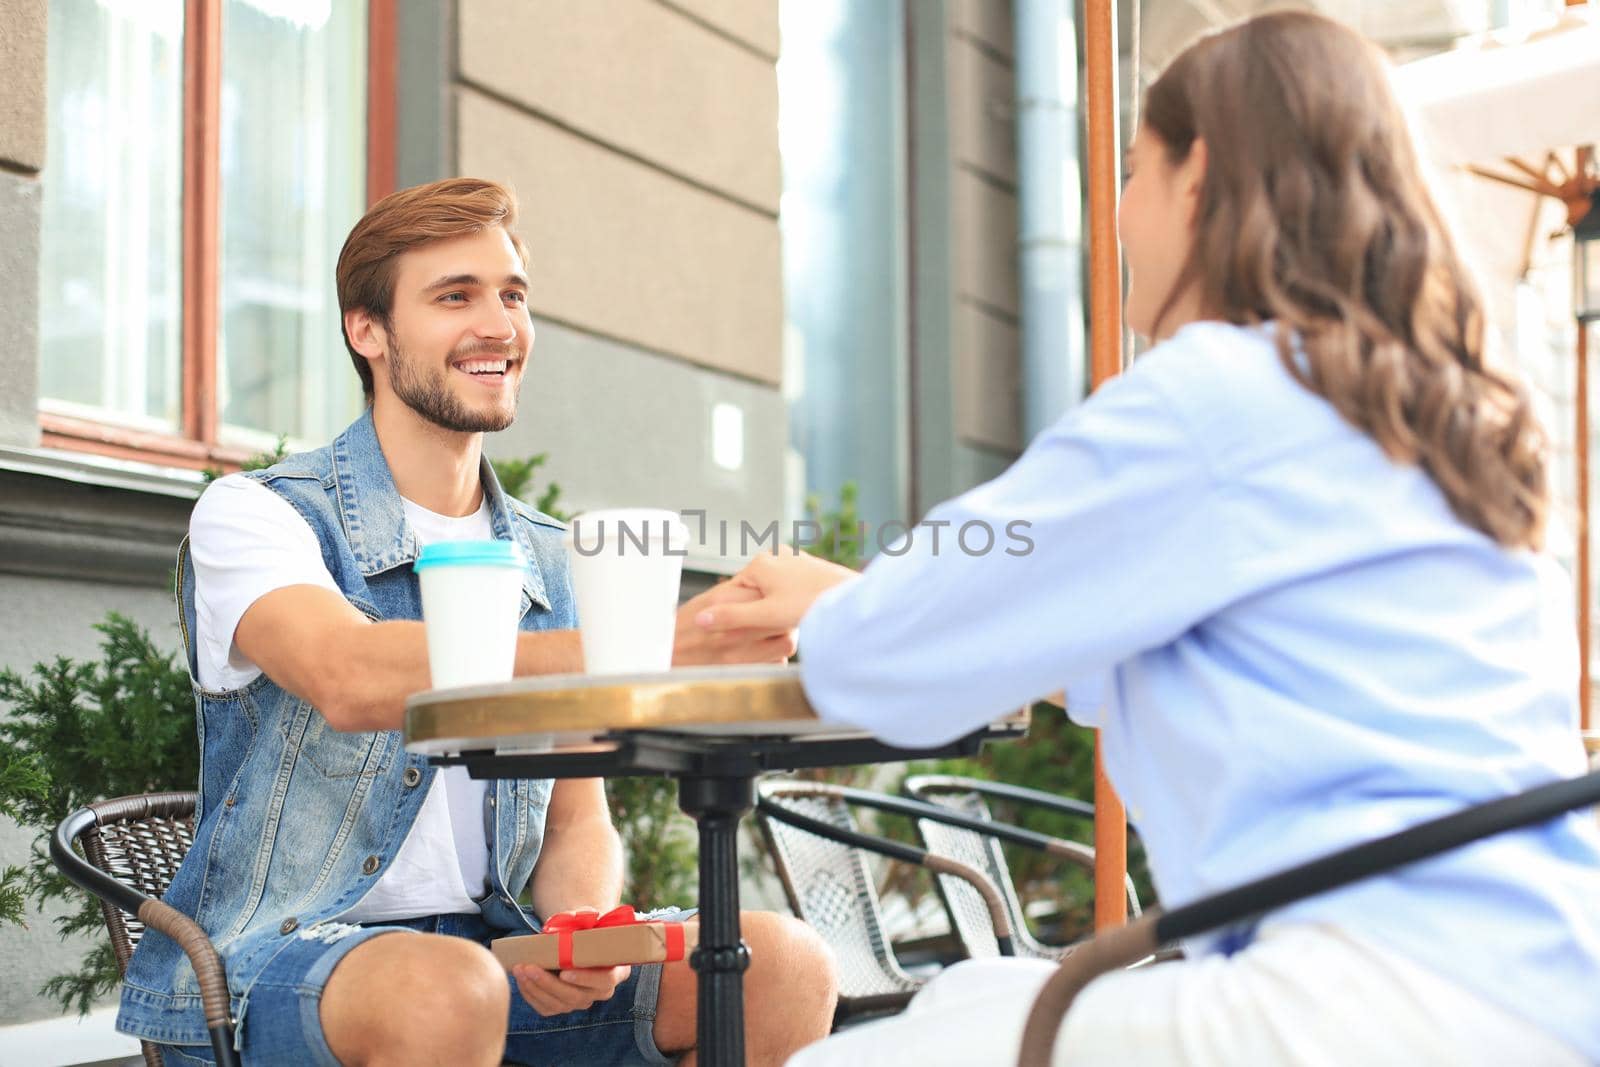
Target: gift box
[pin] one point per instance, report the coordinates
(588, 939)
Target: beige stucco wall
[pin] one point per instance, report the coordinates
(22, 155)
(642, 140)
(638, 77)
(22, 89)
(754, 23)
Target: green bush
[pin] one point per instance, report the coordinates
(257, 462)
(658, 840)
(22, 779)
(77, 732)
(839, 539)
(516, 478)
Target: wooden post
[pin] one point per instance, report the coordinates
(202, 220)
(1581, 453)
(382, 74)
(1105, 361)
(1582, 447)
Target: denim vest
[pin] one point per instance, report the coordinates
(296, 821)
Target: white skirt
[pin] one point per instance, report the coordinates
(1298, 996)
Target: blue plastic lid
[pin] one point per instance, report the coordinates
(471, 554)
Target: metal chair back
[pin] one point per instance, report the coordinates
(138, 842)
(830, 888)
(969, 914)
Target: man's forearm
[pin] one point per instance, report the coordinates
(580, 866)
(388, 661)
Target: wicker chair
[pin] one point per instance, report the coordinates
(133, 846)
(819, 853)
(969, 917)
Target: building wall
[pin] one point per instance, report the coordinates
(641, 137)
(22, 134)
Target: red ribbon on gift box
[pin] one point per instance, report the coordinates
(564, 924)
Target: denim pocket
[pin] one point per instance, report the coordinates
(341, 755)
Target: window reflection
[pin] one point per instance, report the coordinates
(293, 184)
(110, 321)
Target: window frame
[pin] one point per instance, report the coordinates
(198, 444)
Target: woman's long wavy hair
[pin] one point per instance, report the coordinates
(1314, 214)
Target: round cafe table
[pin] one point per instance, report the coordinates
(713, 729)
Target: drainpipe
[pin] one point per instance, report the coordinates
(1049, 212)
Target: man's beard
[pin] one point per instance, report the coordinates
(431, 398)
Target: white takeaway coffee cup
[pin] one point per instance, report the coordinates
(471, 605)
(626, 564)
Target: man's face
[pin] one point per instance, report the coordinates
(460, 332)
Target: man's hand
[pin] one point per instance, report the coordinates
(574, 989)
(694, 645)
(552, 993)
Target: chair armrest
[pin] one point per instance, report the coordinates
(1071, 851)
(156, 915)
(1105, 952)
(899, 851)
(208, 969)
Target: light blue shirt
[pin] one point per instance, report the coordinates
(1290, 643)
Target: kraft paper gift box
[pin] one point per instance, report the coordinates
(611, 940)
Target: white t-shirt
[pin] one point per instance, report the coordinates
(246, 541)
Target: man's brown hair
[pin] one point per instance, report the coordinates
(1314, 215)
(454, 207)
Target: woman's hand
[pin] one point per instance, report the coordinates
(787, 585)
(696, 646)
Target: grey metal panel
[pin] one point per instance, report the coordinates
(934, 277)
(845, 270)
(424, 119)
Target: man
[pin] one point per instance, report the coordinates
(350, 886)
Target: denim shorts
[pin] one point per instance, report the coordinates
(281, 1023)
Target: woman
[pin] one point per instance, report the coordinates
(1289, 564)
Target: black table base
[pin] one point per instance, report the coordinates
(716, 786)
(716, 805)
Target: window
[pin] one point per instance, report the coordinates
(205, 163)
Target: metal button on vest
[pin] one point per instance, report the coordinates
(369, 865)
(289, 925)
(411, 777)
